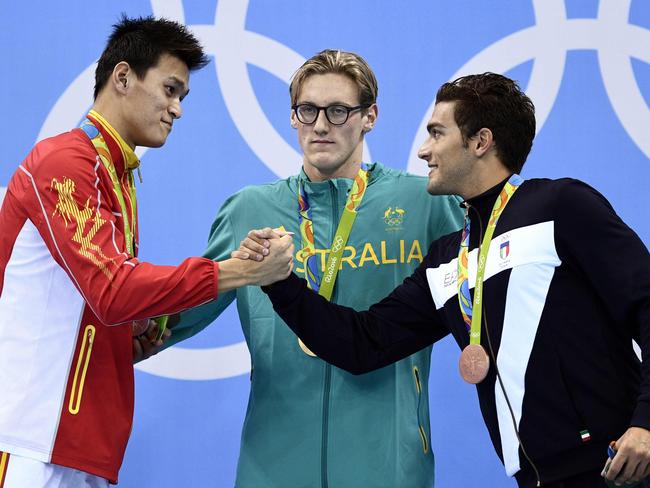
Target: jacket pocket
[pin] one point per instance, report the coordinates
(83, 360)
(418, 389)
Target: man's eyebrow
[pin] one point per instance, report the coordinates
(307, 102)
(434, 125)
(179, 84)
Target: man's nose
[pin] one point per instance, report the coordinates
(424, 152)
(321, 124)
(175, 109)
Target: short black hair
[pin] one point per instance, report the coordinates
(497, 103)
(141, 41)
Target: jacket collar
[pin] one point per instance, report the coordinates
(376, 171)
(124, 158)
(482, 205)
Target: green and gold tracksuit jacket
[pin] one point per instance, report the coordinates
(309, 424)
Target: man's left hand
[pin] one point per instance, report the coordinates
(145, 344)
(632, 460)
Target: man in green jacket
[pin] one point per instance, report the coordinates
(309, 424)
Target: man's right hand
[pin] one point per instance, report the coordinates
(256, 243)
(275, 266)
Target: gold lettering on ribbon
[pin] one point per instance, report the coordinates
(70, 212)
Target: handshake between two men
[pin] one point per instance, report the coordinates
(264, 257)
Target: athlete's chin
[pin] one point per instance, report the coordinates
(435, 188)
(325, 164)
(153, 142)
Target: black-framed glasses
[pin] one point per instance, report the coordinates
(336, 114)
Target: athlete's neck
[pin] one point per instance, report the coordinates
(346, 171)
(111, 113)
(485, 178)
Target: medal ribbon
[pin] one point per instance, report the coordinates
(95, 136)
(472, 312)
(325, 286)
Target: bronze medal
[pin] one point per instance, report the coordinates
(474, 364)
(305, 349)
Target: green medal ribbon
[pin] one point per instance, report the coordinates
(97, 139)
(325, 285)
(472, 315)
(95, 136)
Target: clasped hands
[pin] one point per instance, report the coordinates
(257, 244)
(264, 257)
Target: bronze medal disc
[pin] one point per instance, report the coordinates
(305, 349)
(474, 364)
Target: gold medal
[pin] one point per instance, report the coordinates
(305, 349)
(474, 364)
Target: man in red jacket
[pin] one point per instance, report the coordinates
(71, 286)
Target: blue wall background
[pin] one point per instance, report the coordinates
(585, 63)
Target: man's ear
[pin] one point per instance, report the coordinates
(370, 118)
(482, 142)
(293, 120)
(121, 76)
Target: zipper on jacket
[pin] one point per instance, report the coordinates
(328, 368)
(80, 371)
(418, 388)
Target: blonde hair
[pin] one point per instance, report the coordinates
(342, 62)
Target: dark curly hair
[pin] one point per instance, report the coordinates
(497, 103)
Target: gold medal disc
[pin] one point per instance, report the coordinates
(474, 364)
